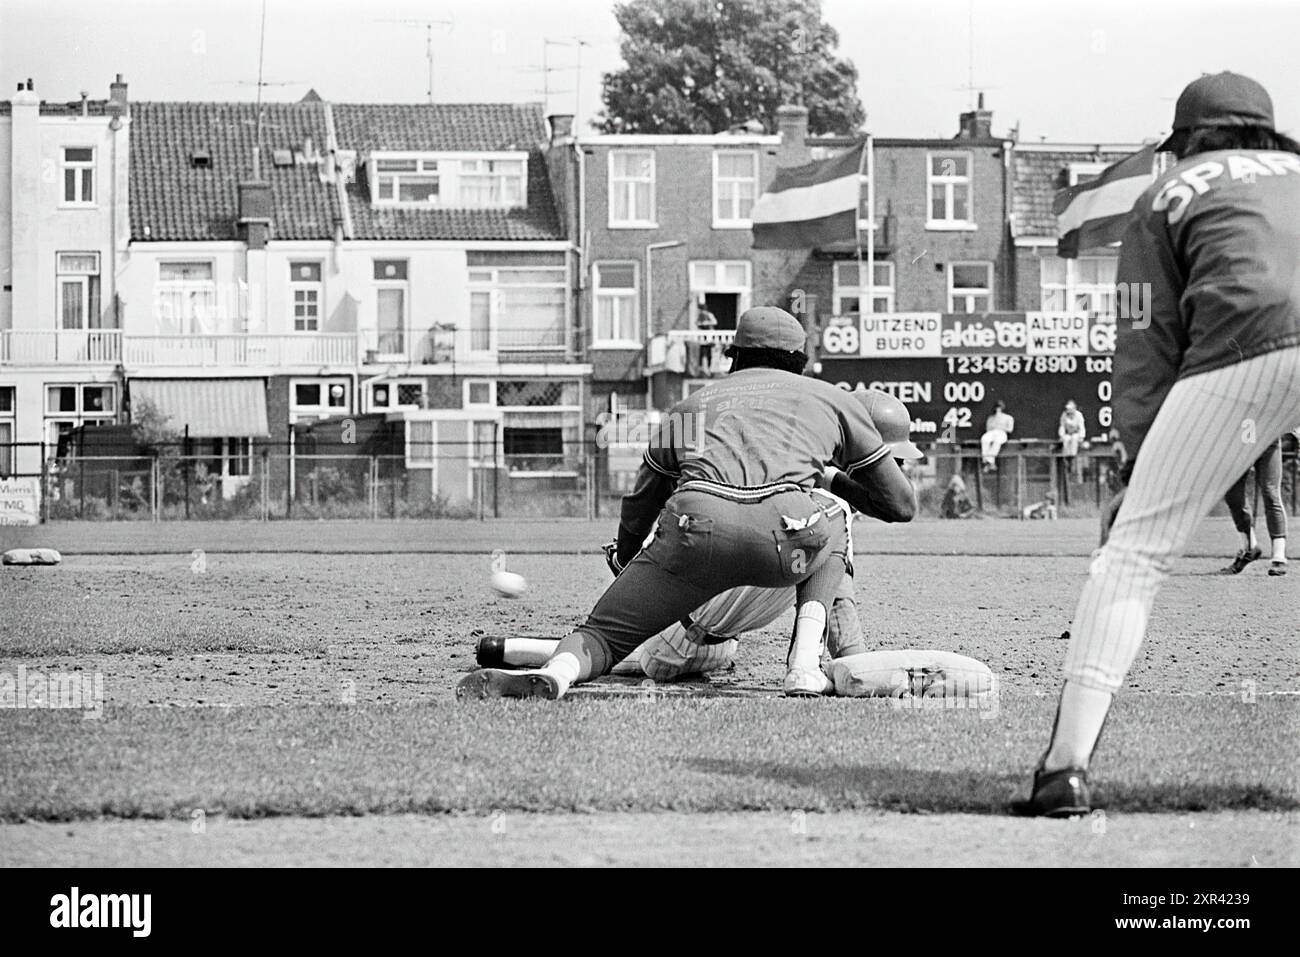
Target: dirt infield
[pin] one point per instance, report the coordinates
(756, 839)
(562, 536)
(305, 669)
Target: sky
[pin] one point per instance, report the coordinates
(1096, 71)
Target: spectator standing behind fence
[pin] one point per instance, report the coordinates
(997, 429)
(705, 321)
(1070, 431)
(1268, 481)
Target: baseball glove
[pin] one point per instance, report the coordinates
(611, 557)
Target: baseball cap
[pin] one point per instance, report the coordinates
(1220, 99)
(769, 327)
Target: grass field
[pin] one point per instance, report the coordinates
(283, 693)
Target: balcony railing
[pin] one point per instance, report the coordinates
(43, 346)
(695, 352)
(446, 342)
(309, 350)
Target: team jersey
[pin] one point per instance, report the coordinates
(1217, 238)
(753, 428)
(763, 426)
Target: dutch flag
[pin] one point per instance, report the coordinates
(813, 205)
(1095, 213)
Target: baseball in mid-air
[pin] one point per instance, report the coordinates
(509, 584)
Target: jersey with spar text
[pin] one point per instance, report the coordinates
(1213, 254)
(761, 426)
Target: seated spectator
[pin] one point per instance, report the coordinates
(997, 429)
(1045, 509)
(956, 503)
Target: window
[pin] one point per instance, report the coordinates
(390, 306)
(532, 441)
(735, 186)
(948, 185)
(78, 279)
(406, 180)
(1085, 172)
(69, 406)
(541, 422)
(234, 456)
(451, 181)
(851, 288)
(616, 305)
(519, 309)
(970, 287)
(6, 430)
(186, 295)
(487, 183)
(317, 398)
(632, 188)
(480, 392)
(397, 394)
(78, 176)
(724, 288)
(305, 281)
(1086, 284)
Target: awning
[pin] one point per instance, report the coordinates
(212, 408)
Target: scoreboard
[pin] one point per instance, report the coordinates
(950, 369)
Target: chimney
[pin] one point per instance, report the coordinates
(255, 213)
(117, 101)
(85, 104)
(792, 124)
(561, 126)
(977, 124)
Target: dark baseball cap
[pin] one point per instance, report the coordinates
(1220, 99)
(769, 327)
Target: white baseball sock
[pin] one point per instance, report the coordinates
(1279, 549)
(1081, 714)
(564, 668)
(528, 652)
(809, 633)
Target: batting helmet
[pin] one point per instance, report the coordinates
(892, 420)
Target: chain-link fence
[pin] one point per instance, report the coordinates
(478, 480)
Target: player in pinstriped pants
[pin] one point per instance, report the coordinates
(1207, 373)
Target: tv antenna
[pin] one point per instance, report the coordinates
(428, 26)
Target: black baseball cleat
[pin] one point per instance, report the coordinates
(1062, 793)
(495, 683)
(490, 652)
(1277, 568)
(1244, 558)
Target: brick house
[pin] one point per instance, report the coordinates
(403, 260)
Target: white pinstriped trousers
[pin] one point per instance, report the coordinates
(1209, 430)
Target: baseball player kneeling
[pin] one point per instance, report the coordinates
(729, 482)
(707, 640)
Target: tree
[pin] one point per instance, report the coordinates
(704, 66)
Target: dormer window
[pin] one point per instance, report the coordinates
(449, 180)
(491, 182)
(406, 180)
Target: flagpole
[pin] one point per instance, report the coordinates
(870, 161)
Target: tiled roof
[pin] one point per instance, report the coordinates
(439, 126)
(1038, 174)
(536, 222)
(448, 127)
(172, 200)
